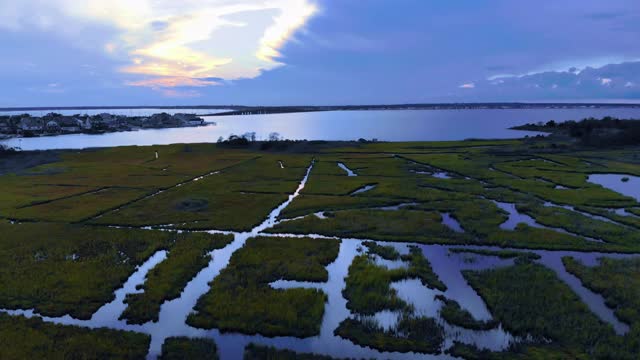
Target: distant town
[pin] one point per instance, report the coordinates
(25, 125)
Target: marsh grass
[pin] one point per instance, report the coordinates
(417, 334)
(385, 252)
(503, 254)
(187, 256)
(22, 338)
(177, 348)
(618, 281)
(241, 299)
(260, 352)
(368, 286)
(547, 308)
(60, 269)
(454, 314)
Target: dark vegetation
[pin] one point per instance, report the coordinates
(17, 162)
(454, 314)
(22, 338)
(260, 352)
(187, 256)
(548, 312)
(385, 252)
(417, 334)
(368, 290)
(274, 143)
(60, 269)
(515, 351)
(419, 267)
(54, 262)
(368, 286)
(503, 254)
(238, 198)
(7, 150)
(241, 298)
(607, 131)
(619, 283)
(178, 348)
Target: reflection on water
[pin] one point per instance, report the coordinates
(390, 264)
(448, 266)
(441, 175)
(595, 302)
(345, 168)
(363, 189)
(628, 185)
(396, 207)
(112, 310)
(515, 218)
(589, 215)
(451, 223)
(624, 212)
(397, 125)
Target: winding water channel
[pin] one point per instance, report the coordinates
(446, 264)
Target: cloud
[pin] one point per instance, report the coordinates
(613, 81)
(291, 18)
(174, 40)
(51, 88)
(173, 82)
(173, 93)
(605, 15)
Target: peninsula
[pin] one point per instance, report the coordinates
(51, 124)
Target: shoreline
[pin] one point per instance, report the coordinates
(405, 106)
(4, 137)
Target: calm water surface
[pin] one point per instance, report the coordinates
(629, 187)
(397, 125)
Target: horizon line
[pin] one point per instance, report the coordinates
(239, 106)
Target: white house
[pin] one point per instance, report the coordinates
(52, 126)
(31, 124)
(189, 119)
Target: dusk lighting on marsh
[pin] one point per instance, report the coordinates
(320, 179)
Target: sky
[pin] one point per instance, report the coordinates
(317, 52)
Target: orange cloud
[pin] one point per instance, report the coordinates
(180, 94)
(197, 39)
(173, 81)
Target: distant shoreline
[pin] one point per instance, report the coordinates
(244, 109)
(53, 124)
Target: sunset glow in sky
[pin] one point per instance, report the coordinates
(163, 52)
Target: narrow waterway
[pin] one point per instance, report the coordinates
(446, 264)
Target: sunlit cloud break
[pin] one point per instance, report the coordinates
(170, 44)
(173, 82)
